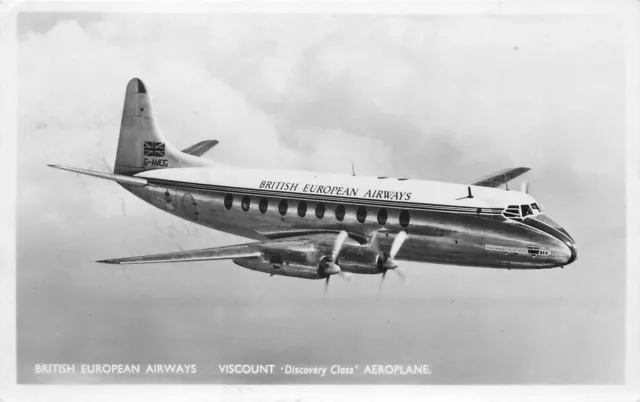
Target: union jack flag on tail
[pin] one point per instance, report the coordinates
(153, 148)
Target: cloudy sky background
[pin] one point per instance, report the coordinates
(427, 97)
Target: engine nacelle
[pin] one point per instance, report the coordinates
(302, 261)
(277, 266)
(359, 267)
(361, 260)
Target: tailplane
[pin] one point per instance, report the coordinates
(141, 145)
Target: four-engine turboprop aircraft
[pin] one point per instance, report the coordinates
(313, 225)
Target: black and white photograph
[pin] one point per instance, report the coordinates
(276, 196)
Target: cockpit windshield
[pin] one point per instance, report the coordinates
(526, 210)
(521, 211)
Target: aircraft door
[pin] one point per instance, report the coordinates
(170, 199)
(189, 207)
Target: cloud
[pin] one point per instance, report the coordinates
(433, 98)
(430, 97)
(436, 98)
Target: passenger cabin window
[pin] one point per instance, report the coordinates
(283, 207)
(320, 210)
(404, 218)
(246, 202)
(228, 201)
(361, 214)
(382, 216)
(340, 212)
(526, 210)
(302, 209)
(263, 205)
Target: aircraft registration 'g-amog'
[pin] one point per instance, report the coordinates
(311, 225)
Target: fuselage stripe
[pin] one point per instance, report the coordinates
(326, 198)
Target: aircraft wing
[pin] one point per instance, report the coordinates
(200, 148)
(306, 242)
(216, 253)
(133, 181)
(501, 177)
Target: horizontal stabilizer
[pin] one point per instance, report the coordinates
(134, 181)
(216, 253)
(501, 177)
(200, 148)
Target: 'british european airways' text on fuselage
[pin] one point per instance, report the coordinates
(335, 190)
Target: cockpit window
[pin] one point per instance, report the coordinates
(512, 211)
(526, 210)
(521, 211)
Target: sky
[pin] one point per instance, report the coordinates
(447, 98)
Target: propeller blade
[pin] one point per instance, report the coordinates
(381, 282)
(524, 187)
(375, 244)
(347, 276)
(337, 245)
(397, 243)
(401, 274)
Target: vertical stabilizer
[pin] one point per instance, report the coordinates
(142, 145)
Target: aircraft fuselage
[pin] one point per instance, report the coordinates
(441, 234)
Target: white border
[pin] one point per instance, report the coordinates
(627, 11)
(632, 367)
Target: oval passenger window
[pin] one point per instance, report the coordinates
(228, 201)
(246, 202)
(283, 207)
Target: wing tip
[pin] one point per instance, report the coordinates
(201, 147)
(108, 261)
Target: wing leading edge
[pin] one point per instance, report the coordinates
(239, 251)
(501, 177)
(216, 253)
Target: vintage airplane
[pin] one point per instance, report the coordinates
(312, 225)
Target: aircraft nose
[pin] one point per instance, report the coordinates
(547, 225)
(574, 252)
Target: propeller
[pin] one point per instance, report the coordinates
(386, 261)
(397, 243)
(347, 276)
(398, 272)
(337, 245)
(330, 267)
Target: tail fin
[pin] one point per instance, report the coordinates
(142, 145)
